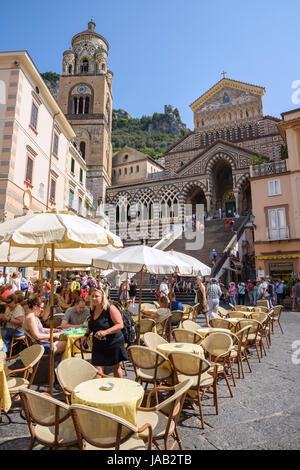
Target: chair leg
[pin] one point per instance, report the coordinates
(280, 326)
(215, 391)
(228, 384)
(249, 365)
(200, 409)
(125, 368)
(257, 352)
(178, 438)
(232, 373)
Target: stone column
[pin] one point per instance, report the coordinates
(237, 210)
(208, 201)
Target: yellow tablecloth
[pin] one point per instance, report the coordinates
(205, 331)
(122, 400)
(167, 348)
(5, 399)
(69, 346)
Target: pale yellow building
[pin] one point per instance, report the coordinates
(36, 148)
(275, 189)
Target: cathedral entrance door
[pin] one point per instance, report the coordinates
(230, 208)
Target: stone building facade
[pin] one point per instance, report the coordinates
(211, 165)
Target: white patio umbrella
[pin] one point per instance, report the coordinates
(143, 259)
(53, 230)
(197, 267)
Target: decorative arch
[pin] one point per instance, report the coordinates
(189, 186)
(219, 156)
(81, 103)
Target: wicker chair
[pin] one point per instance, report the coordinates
(239, 351)
(237, 314)
(218, 348)
(220, 323)
(152, 340)
(97, 429)
(275, 317)
(265, 320)
(190, 325)
(146, 325)
(260, 309)
(18, 340)
(187, 310)
(255, 335)
(30, 357)
(149, 366)
(222, 312)
(263, 303)
(198, 369)
(71, 372)
(49, 421)
(164, 417)
(182, 335)
(79, 351)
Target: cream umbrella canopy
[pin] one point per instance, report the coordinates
(55, 230)
(143, 259)
(197, 266)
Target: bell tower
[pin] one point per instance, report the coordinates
(85, 97)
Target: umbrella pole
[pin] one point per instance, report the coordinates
(51, 364)
(99, 278)
(140, 303)
(41, 277)
(170, 287)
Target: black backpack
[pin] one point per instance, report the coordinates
(129, 327)
(270, 289)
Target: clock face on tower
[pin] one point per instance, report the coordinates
(81, 89)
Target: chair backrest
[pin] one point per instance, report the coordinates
(255, 326)
(187, 309)
(259, 316)
(220, 323)
(182, 335)
(188, 364)
(152, 340)
(222, 311)
(233, 336)
(216, 344)
(263, 303)
(100, 428)
(190, 325)
(277, 311)
(31, 357)
(72, 371)
(236, 314)
(146, 324)
(242, 336)
(156, 304)
(45, 411)
(145, 358)
(176, 316)
(242, 308)
(260, 309)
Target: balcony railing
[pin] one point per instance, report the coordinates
(272, 168)
(281, 233)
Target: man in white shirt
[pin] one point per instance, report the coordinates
(164, 287)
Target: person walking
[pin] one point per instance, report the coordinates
(250, 290)
(132, 291)
(232, 293)
(213, 256)
(213, 294)
(279, 289)
(106, 324)
(241, 293)
(200, 299)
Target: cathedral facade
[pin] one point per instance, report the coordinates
(210, 165)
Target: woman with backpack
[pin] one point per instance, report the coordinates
(106, 324)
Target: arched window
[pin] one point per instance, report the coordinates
(75, 101)
(70, 69)
(103, 66)
(212, 137)
(80, 107)
(256, 130)
(82, 149)
(250, 131)
(87, 105)
(222, 134)
(239, 133)
(85, 66)
(228, 135)
(233, 134)
(217, 135)
(206, 139)
(107, 115)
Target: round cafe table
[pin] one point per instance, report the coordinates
(121, 401)
(205, 331)
(167, 348)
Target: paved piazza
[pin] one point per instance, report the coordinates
(264, 413)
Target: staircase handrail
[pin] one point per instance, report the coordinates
(217, 267)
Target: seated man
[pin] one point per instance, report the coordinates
(76, 316)
(176, 305)
(12, 321)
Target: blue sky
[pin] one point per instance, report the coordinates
(168, 51)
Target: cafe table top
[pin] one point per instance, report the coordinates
(205, 331)
(70, 339)
(167, 348)
(123, 400)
